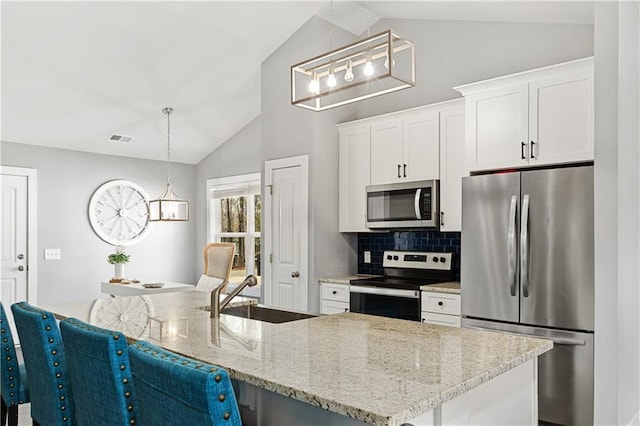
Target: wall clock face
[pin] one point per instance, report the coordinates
(119, 212)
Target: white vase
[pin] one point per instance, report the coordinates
(119, 270)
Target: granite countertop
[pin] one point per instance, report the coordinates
(378, 370)
(452, 287)
(344, 279)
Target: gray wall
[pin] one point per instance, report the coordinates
(66, 182)
(617, 214)
(289, 131)
(237, 156)
(450, 53)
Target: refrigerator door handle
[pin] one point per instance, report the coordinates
(556, 340)
(416, 203)
(511, 245)
(524, 246)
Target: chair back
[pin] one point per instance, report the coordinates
(46, 365)
(175, 390)
(98, 363)
(13, 385)
(218, 262)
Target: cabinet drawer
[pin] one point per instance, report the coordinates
(332, 307)
(338, 292)
(441, 303)
(441, 319)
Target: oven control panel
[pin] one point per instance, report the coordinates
(417, 260)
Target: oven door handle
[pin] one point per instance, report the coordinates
(394, 292)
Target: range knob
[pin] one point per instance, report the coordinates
(442, 259)
(435, 259)
(395, 257)
(389, 257)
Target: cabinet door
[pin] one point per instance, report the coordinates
(386, 152)
(452, 168)
(421, 146)
(354, 177)
(497, 128)
(561, 118)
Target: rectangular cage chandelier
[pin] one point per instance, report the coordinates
(379, 64)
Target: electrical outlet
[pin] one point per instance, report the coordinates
(52, 254)
(367, 257)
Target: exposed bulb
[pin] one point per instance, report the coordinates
(348, 75)
(314, 87)
(386, 63)
(368, 69)
(331, 80)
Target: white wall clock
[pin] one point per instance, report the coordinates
(119, 212)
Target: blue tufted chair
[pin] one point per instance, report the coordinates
(14, 388)
(100, 375)
(174, 390)
(46, 364)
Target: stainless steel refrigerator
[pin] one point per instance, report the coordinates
(527, 267)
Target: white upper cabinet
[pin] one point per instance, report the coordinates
(405, 148)
(538, 117)
(417, 144)
(355, 166)
(452, 166)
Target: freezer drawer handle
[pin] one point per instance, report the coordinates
(511, 247)
(556, 340)
(524, 246)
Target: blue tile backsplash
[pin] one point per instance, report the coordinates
(434, 241)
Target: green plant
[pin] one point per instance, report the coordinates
(118, 257)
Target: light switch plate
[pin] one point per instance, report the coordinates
(52, 254)
(367, 257)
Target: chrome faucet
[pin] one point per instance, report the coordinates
(217, 305)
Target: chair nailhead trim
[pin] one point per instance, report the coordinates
(122, 367)
(119, 352)
(48, 328)
(132, 421)
(58, 375)
(62, 398)
(125, 381)
(130, 407)
(116, 336)
(127, 394)
(55, 364)
(221, 397)
(227, 416)
(54, 352)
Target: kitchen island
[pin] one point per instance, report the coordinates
(353, 369)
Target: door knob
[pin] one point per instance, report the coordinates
(20, 268)
(295, 274)
(20, 256)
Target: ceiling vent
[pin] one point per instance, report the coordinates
(120, 138)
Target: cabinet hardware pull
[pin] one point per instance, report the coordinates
(399, 171)
(441, 218)
(346, 309)
(522, 146)
(532, 144)
(440, 303)
(405, 170)
(334, 292)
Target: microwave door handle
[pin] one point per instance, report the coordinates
(511, 245)
(524, 246)
(416, 203)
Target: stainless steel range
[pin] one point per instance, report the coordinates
(397, 293)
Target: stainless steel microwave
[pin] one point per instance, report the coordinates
(404, 205)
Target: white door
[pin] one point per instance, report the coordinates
(14, 225)
(286, 233)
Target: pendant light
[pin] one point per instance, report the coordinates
(168, 207)
(354, 72)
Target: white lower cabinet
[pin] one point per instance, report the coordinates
(334, 298)
(441, 308)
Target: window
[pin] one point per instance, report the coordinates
(235, 210)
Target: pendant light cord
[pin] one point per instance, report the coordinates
(368, 20)
(331, 26)
(168, 111)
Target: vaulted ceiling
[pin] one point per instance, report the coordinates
(73, 73)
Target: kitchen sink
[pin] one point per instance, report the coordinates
(262, 313)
